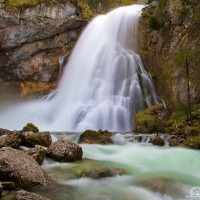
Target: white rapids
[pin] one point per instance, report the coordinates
(103, 86)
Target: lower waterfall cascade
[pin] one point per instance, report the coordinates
(103, 85)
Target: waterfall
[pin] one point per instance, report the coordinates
(103, 85)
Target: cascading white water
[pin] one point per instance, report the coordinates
(103, 86)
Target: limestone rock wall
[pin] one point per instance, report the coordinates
(31, 42)
(179, 31)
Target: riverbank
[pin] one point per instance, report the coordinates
(72, 159)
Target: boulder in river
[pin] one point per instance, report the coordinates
(157, 140)
(38, 153)
(102, 172)
(24, 195)
(20, 168)
(65, 151)
(31, 139)
(11, 139)
(95, 137)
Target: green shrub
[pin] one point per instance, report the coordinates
(156, 22)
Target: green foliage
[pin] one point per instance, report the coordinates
(183, 11)
(107, 4)
(86, 10)
(149, 121)
(29, 3)
(178, 116)
(156, 22)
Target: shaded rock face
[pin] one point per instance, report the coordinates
(95, 137)
(38, 153)
(33, 39)
(24, 195)
(65, 151)
(20, 168)
(158, 141)
(159, 48)
(30, 139)
(11, 140)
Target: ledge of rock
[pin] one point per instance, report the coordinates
(20, 168)
(65, 151)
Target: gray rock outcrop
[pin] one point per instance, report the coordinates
(32, 40)
(20, 168)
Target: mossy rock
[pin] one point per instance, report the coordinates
(30, 139)
(192, 142)
(30, 127)
(151, 120)
(95, 137)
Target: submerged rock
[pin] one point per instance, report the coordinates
(102, 172)
(94, 137)
(65, 151)
(20, 168)
(38, 153)
(24, 195)
(162, 185)
(31, 139)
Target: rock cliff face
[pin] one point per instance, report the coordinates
(169, 33)
(32, 40)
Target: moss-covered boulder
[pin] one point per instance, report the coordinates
(151, 120)
(30, 127)
(192, 142)
(95, 137)
(31, 139)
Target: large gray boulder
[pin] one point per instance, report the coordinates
(20, 168)
(65, 151)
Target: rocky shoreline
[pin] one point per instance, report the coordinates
(23, 152)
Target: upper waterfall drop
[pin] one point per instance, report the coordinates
(104, 83)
